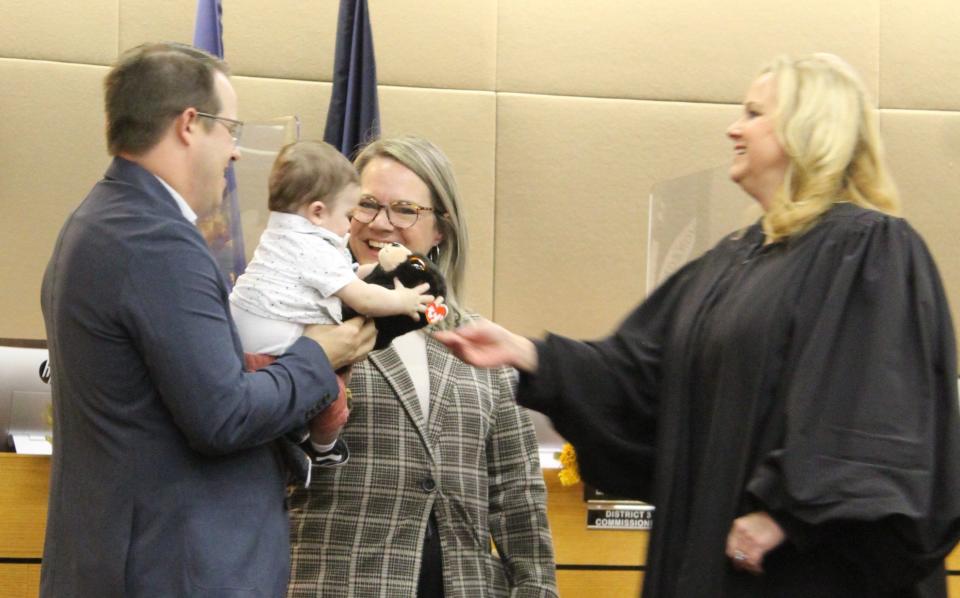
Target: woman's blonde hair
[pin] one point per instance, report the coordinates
(828, 128)
(432, 166)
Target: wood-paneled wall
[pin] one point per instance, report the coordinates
(590, 563)
(24, 487)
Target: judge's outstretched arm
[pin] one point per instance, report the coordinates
(487, 345)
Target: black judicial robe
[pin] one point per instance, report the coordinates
(814, 379)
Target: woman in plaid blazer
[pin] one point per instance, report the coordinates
(442, 459)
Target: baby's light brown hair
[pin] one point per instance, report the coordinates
(308, 171)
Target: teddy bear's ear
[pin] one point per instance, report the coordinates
(417, 263)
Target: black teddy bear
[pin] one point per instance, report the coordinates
(411, 269)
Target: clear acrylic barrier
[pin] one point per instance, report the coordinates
(689, 214)
(259, 145)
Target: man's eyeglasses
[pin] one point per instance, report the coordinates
(401, 214)
(234, 127)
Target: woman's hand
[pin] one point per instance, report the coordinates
(487, 345)
(751, 537)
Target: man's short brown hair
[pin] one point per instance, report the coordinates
(308, 171)
(150, 85)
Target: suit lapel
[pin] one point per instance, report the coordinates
(391, 366)
(441, 363)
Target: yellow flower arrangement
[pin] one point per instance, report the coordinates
(569, 474)
(48, 416)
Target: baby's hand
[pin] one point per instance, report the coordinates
(414, 300)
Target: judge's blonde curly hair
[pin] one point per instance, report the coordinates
(828, 128)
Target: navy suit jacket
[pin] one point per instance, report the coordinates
(163, 482)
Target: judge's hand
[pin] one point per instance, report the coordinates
(486, 345)
(345, 343)
(751, 537)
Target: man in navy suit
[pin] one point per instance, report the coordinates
(163, 481)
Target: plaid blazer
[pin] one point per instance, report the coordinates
(358, 530)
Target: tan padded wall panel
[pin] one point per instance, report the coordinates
(524, 171)
(920, 54)
(463, 125)
(295, 40)
(573, 178)
(426, 43)
(144, 21)
(51, 154)
(287, 39)
(699, 50)
(83, 31)
(923, 149)
(263, 99)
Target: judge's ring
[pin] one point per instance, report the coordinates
(738, 555)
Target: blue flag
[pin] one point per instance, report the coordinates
(208, 28)
(354, 115)
(222, 229)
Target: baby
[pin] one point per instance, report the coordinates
(301, 271)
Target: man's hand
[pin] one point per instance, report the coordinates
(751, 537)
(346, 343)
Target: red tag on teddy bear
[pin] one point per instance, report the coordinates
(435, 312)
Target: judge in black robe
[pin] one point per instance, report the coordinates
(813, 379)
(810, 379)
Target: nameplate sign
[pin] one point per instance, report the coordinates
(619, 516)
(605, 511)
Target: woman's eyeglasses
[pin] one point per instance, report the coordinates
(401, 214)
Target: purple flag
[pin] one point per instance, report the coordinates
(222, 229)
(354, 115)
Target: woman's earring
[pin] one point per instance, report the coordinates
(434, 254)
